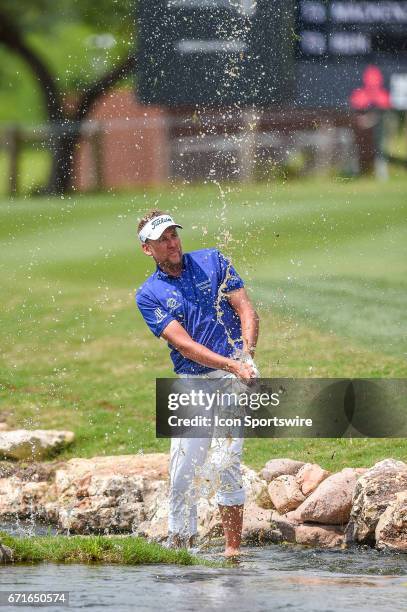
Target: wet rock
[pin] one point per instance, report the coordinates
(285, 493)
(286, 526)
(30, 470)
(391, 529)
(257, 527)
(155, 525)
(110, 494)
(331, 501)
(280, 467)
(263, 499)
(256, 488)
(7, 469)
(376, 489)
(309, 476)
(22, 499)
(24, 444)
(6, 554)
(324, 536)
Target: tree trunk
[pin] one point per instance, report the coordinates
(61, 178)
(13, 39)
(63, 148)
(65, 131)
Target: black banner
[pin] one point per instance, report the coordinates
(281, 408)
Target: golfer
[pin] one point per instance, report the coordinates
(197, 303)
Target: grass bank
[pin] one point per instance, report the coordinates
(96, 549)
(324, 262)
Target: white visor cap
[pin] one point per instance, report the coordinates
(155, 227)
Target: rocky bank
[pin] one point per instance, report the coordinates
(287, 500)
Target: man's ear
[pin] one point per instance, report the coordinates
(146, 249)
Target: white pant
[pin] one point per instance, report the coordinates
(191, 476)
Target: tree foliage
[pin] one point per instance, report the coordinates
(20, 19)
(117, 16)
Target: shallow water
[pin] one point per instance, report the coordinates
(272, 577)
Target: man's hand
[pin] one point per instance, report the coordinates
(243, 370)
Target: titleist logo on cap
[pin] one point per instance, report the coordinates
(158, 221)
(153, 229)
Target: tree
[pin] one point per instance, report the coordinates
(19, 18)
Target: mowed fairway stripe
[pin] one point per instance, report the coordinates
(362, 319)
(333, 255)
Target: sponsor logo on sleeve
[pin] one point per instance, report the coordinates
(159, 315)
(172, 303)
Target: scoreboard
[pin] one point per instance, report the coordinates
(346, 47)
(297, 53)
(215, 52)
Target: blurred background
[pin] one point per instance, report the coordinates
(137, 93)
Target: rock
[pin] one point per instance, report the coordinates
(391, 529)
(30, 470)
(263, 500)
(292, 517)
(211, 527)
(257, 528)
(325, 536)
(4, 426)
(26, 490)
(309, 476)
(280, 467)
(285, 493)
(361, 470)
(155, 527)
(7, 469)
(111, 494)
(10, 497)
(24, 444)
(22, 499)
(331, 501)
(256, 488)
(284, 525)
(6, 554)
(375, 490)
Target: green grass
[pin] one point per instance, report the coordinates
(96, 549)
(324, 261)
(33, 170)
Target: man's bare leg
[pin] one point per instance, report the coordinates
(232, 521)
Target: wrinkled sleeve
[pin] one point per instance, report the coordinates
(228, 274)
(153, 313)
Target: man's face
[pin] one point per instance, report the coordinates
(167, 250)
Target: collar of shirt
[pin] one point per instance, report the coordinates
(164, 276)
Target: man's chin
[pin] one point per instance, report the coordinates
(175, 260)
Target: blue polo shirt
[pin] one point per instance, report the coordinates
(197, 300)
